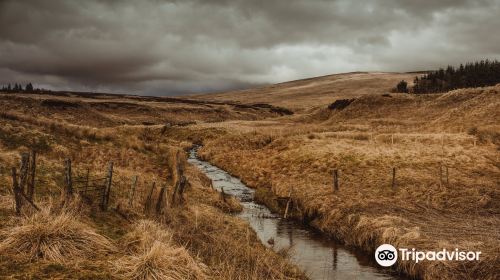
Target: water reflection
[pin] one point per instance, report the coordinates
(319, 257)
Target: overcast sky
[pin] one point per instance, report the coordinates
(174, 47)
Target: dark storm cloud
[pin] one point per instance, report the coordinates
(162, 47)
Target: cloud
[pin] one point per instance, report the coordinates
(175, 47)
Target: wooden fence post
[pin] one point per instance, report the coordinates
(17, 191)
(132, 191)
(159, 203)
(147, 203)
(31, 184)
(182, 187)
(393, 177)
(335, 180)
(107, 187)
(68, 180)
(23, 176)
(288, 204)
(223, 194)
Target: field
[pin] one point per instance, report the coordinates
(413, 171)
(445, 151)
(191, 237)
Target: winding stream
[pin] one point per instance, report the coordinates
(317, 256)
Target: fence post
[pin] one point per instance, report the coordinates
(223, 194)
(182, 186)
(31, 184)
(159, 202)
(17, 191)
(147, 204)
(335, 180)
(132, 191)
(68, 188)
(393, 177)
(107, 188)
(179, 174)
(23, 176)
(288, 204)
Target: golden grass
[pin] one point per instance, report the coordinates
(302, 95)
(57, 237)
(152, 255)
(415, 134)
(117, 134)
(364, 141)
(227, 245)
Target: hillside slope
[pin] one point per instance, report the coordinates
(302, 94)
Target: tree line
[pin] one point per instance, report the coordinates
(473, 74)
(19, 88)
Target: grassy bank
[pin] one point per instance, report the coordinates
(446, 185)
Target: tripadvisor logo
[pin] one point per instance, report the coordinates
(387, 255)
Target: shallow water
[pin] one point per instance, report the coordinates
(317, 256)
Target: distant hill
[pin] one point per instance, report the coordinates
(319, 91)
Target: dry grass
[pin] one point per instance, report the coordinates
(94, 132)
(228, 246)
(365, 140)
(57, 237)
(415, 134)
(152, 255)
(302, 95)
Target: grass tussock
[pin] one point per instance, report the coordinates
(153, 255)
(55, 237)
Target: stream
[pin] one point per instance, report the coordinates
(317, 256)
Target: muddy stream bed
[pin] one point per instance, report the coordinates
(317, 256)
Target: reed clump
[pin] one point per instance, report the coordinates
(58, 237)
(152, 254)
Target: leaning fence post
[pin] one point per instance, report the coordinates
(159, 203)
(17, 191)
(31, 184)
(288, 204)
(132, 191)
(23, 176)
(68, 188)
(393, 177)
(335, 180)
(223, 194)
(107, 188)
